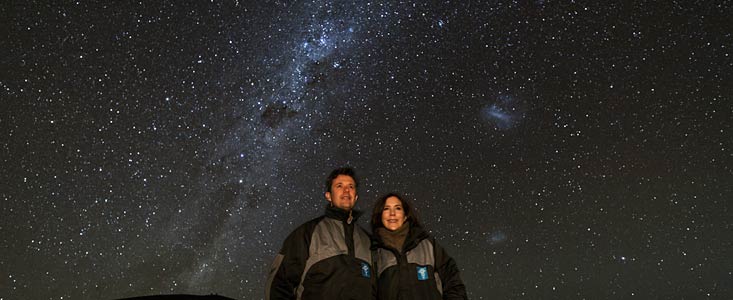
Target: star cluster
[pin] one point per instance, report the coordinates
(556, 149)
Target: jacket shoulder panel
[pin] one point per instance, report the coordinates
(422, 254)
(385, 259)
(327, 240)
(328, 236)
(362, 242)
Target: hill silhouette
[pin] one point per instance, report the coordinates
(179, 297)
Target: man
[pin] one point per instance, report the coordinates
(327, 257)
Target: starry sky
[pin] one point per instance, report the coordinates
(556, 149)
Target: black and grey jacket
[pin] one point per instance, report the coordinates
(422, 270)
(325, 258)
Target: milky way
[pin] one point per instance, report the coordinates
(557, 150)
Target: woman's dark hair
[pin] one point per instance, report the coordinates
(406, 207)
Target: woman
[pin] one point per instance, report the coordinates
(408, 262)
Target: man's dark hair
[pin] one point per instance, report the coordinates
(341, 171)
(406, 207)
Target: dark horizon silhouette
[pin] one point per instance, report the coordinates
(179, 297)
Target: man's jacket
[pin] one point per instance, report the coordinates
(325, 258)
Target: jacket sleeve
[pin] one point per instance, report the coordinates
(287, 268)
(453, 287)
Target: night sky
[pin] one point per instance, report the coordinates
(556, 149)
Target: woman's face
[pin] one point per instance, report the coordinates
(392, 214)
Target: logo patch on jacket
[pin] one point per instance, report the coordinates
(422, 273)
(365, 271)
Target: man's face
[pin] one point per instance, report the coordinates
(343, 192)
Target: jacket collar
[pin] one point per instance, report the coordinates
(342, 215)
(414, 237)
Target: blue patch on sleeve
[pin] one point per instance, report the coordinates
(365, 270)
(422, 273)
